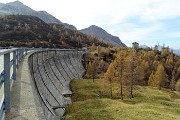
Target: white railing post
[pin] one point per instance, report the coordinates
(19, 55)
(17, 58)
(25, 51)
(7, 82)
(14, 65)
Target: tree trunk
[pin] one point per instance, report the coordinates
(131, 87)
(131, 92)
(121, 91)
(111, 89)
(121, 86)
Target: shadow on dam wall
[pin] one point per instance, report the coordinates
(52, 72)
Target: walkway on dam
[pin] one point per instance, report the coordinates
(25, 103)
(41, 90)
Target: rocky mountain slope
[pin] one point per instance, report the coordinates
(30, 31)
(16, 7)
(100, 33)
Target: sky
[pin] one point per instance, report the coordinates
(148, 22)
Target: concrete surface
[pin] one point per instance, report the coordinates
(24, 99)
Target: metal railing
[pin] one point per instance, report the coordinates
(6, 77)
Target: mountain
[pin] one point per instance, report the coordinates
(160, 48)
(1, 5)
(100, 33)
(144, 46)
(16, 7)
(177, 51)
(31, 31)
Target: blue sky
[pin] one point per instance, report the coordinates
(148, 22)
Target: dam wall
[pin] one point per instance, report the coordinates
(52, 72)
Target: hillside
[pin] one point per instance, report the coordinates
(139, 84)
(16, 7)
(91, 102)
(30, 31)
(100, 33)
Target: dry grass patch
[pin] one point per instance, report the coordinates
(91, 102)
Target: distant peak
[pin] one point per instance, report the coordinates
(17, 2)
(101, 33)
(42, 11)
(94, 26)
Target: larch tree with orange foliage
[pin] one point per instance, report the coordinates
(109, 76)
(161, 77)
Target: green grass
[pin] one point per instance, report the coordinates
(91, 102)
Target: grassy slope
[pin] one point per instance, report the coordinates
(91, 103)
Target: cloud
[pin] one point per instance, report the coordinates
(139, 34)
(129, 19)
(146, 10)
(82, 13)
(175, 34)
(161, 10)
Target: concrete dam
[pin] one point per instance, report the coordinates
(41, 90)
(52, 72)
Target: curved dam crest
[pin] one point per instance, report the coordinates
(52, 72)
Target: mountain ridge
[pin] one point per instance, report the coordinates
(16, 7)
(101, 33)
(31, 31)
